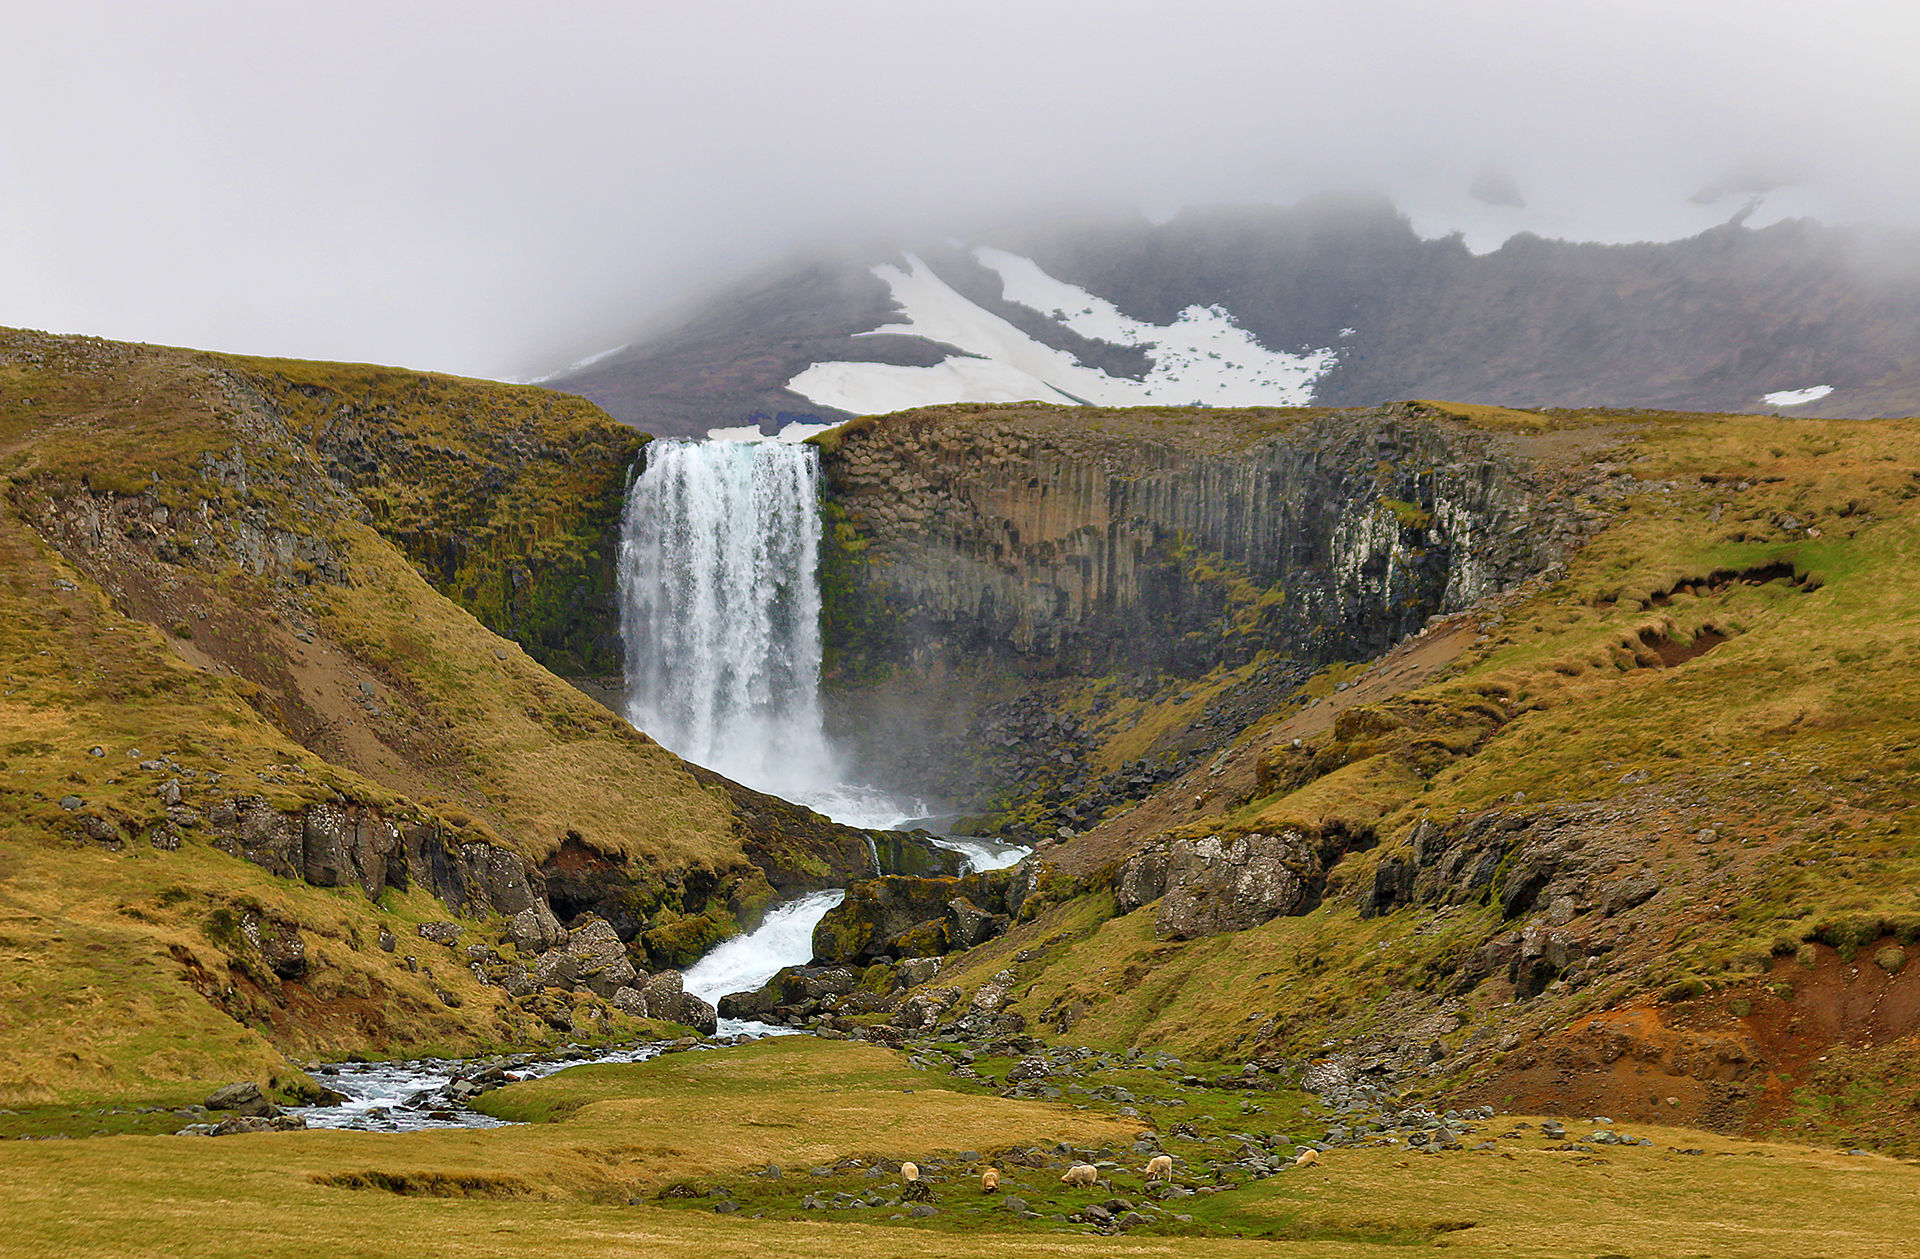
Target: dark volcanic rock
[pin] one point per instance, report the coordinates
(898, 917)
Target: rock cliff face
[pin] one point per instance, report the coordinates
(508, 500)
(1038, 542)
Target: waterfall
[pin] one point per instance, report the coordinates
(720, 600)
(722, 610)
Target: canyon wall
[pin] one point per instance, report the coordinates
(979, 549)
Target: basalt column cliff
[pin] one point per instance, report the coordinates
(981, 550)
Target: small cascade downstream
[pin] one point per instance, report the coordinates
(747, 961)
(407, 1096)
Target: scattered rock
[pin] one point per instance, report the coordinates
(447, 933)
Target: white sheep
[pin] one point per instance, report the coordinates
(990, 1180)
(909, 1171)
(1307, 1158)
(1159, 1167)
(1081, 1174)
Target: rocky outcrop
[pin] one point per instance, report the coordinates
(1561, 874)
(351, 845)
(1217, 884)
(900, 917)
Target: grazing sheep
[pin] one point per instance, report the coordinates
(1307, 1158)
(1081, 1174)
(909, 1171)
(1159, 1167)
(990, 1180)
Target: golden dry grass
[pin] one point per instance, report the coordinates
(563, 1187)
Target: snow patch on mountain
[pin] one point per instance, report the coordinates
(1796, 397)
(1203, 353)
(1203, 358)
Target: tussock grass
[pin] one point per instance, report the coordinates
(715, 1119)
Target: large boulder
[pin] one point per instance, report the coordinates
(556, 969)
(795, 988)
(535, 929)
(1142, 879)
(757, 1004)
(969, 925)
(447, 933)
(690, 1010)
(662, 991)
(914, 971)
(1230, 883)
(244, 1097)
(600, 960)
(897, 916)
(279, 943)
(924, 1009)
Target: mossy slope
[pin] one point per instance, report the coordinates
(1683, 762)
(201, 632)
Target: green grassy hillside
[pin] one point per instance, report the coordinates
(1637, 838)
(205, 639)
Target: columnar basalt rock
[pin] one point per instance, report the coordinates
(1087, 541)
(980, 547)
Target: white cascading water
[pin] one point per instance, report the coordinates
(722, 610)
(745, 962)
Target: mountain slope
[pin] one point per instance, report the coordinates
(1333, 302)
(247, 750)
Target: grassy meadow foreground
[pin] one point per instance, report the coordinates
(615, 1157)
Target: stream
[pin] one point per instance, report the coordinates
(407, 1096)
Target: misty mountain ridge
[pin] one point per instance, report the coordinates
(1336, 301)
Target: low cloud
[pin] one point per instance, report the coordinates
(487, 187)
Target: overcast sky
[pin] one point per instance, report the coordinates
(493, 188)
